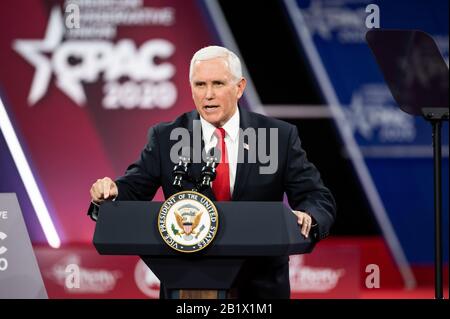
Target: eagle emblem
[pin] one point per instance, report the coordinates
(188, 221)
(188, 218)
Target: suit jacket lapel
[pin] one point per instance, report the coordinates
(243, 168)
(196, 167)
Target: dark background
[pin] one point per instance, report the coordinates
(281, 76)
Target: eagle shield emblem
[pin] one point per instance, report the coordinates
(188, 221)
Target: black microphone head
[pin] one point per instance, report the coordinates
(180, 171)
(185, 154)
(208, 172)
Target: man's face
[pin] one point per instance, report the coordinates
(214, 90)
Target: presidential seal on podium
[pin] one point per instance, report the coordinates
(188, 221)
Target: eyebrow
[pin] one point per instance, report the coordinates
(214, 82)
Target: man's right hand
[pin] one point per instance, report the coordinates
(103, 189)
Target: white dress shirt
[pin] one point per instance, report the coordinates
(231, 141)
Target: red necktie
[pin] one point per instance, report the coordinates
(221, 185)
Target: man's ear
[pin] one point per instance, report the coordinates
(241, 87)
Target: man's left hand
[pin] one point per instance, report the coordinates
(305, 221)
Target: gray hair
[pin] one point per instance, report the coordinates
(212, 52)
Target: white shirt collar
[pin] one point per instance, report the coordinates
(231, 127)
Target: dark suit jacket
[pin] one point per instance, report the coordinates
(295, 176)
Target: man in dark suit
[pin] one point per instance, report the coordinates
(217, 85)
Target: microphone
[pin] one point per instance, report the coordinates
(208, 173)
(180, 170)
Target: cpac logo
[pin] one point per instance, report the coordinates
(75, 62)
(345, 21)
(373, 115)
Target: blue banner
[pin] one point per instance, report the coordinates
(396, 147)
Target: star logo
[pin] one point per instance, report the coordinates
(76, 61)
(33, 51)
